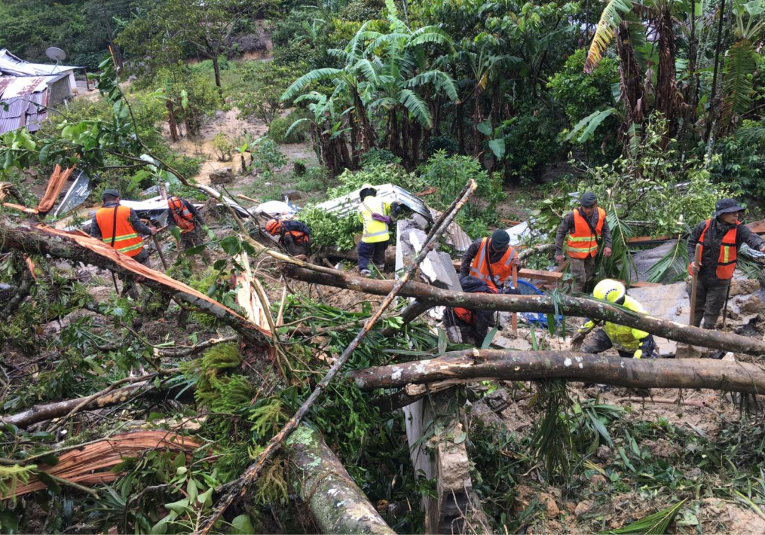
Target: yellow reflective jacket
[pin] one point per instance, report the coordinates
(374, 231)
(623, 337)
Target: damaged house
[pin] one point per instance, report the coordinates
(27, 90)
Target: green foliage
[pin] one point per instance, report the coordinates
(449, 174)
(738, 166)
(223, 147)
(258, 90)
(330, 230)
(532, 142)
(266, 156)
(375, 174)
(11, 476)
(655, 524)
(278, 128)
(644, 187)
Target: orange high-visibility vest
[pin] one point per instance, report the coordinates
(582, 242)
(726, 262)
(126, 239)
(181, 215)
(501, 269)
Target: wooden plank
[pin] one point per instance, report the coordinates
(758, 227)
(640, 284)
(649, 240)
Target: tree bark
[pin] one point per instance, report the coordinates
(48, 411)
(571, 306)
(81, 248)
(533, 365)
(337, 503)
(216, 68)
(631, 79)
(667, 95)
(173, 124)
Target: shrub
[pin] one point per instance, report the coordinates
(375, 175)
(737, 164)
(266, 156)
(376, 156)
(328, 229)
(298, 167)
(223, 147)
(279, 127)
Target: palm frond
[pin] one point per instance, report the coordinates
(439, 79)
(740, 65)
(609, 21)
(620, 265)
(587, 126)
(416, 106)
(368, 71)
(672, 266)
(552, 442)
(307, 79)
(431, 35)
(655, 524)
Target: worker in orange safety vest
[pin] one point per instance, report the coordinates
(120, 227)
(582, 228)
(720, 237)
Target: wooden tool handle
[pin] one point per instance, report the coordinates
(695, 283)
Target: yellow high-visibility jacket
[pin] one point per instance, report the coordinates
(374, 231)
(623, 337)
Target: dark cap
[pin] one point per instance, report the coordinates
(500, 239)
(110, 193)
(588, 199)
(727, 206)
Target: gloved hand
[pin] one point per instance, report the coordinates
(638, 354)
(395, 208)
(648, 348)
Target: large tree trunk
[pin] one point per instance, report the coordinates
(631, 80)
(81, 248)
(337, 503)
(367, 130)
(570, 306)
(172, 123)
(532, 365)
(667, 96)
(216, 68)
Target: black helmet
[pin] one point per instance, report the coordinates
(367, 191)
(727, 206)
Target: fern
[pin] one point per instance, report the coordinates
(672, 267)
(268, 417)
(272, 486)
(604, 34)
(10, 476)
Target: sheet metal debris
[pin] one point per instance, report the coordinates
(349, 203)
(77, 194)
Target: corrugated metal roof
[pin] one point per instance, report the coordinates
(11, 64)
(29, 111)
(26, 85)
(388, 192)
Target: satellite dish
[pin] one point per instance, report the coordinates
(55, 53)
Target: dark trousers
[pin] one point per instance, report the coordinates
(599, 342)
(583, 271)
(710, 299)
(294, 248)
(128, 287)
(374, 252)
(194, 238)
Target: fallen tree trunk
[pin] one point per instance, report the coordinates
(567, 305)
(79, 247)
(533, 365)
(337, 503)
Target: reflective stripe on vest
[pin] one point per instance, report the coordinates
(623, 337)
(501, 269)
(181, 215)
(582, 243)
(374, 231)
(728, 257)
(126, 239)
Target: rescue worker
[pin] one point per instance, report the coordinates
(490, 260)
(472, 324)
(182, 214)
(582, 228)
(120, 227)
(720, 237)
(628, 341)
(375, 215)
(295, 236)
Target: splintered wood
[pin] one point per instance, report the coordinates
(92, 464)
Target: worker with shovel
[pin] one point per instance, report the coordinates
(628, 341)
(720, 238)
(583, 227)
(120, 227)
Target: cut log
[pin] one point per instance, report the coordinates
(567, 305)
(91, 464)
(337, 503)
(533, 365)
(78, 247)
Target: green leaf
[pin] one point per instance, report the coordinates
(231, 245)
(51, 483)
(242, 524)
(179, 507)
(191, 490)
(497, 146)
(655, 524)
(489, 337)
(485, 128)
(459, 439)
(195, 250)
